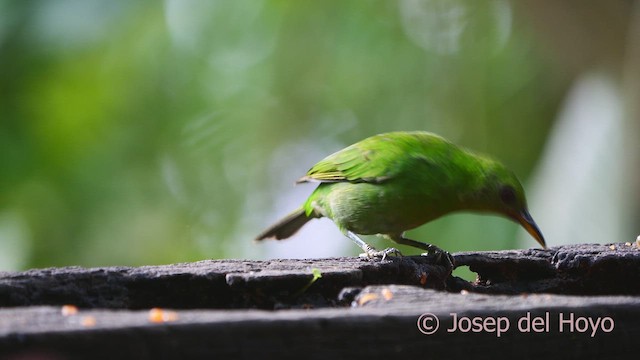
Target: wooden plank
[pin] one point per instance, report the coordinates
(358, 309)
(378, 328)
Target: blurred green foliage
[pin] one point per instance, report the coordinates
(139, 132)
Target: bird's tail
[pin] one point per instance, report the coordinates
(286, 227)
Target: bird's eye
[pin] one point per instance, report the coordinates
(507, 195)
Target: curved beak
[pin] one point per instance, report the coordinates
(525, 219)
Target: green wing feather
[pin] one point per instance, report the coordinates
(373, 160)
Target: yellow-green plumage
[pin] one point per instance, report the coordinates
(393, 182)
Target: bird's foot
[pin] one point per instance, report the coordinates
(373, 253)
(370, 251)
(441, 256)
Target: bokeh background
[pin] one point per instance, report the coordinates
(145, 132)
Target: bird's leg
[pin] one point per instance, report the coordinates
(430, 248)
(370, 251)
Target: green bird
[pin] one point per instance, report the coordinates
(390, 183)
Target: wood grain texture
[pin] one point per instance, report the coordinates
(358, 309)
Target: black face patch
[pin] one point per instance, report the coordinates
(507, 195)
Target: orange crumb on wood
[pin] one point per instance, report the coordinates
(366, 298)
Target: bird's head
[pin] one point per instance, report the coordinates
(505, 195)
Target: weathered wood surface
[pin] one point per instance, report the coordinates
(218, 284)
(356, 309)
(586, 269)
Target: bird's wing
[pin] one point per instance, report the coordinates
(373, 160)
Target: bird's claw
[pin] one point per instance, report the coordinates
(449, 261)
(373, 253)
